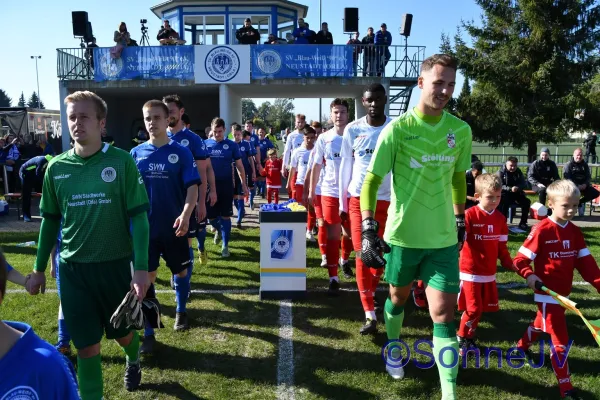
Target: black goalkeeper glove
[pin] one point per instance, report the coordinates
(461, 230)
(372, 245)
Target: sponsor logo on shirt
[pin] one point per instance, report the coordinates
(185, 142)
(173, 158)
(21, 393)
(62, 176)
(108, 174)
(156, 167)
(412, 137)
(141, 180)
(437, 157)
(551, 241)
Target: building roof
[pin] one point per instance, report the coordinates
(160, 8)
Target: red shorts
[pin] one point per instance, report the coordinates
(476, 297)
(356, 219)
(331, 210)
(317, 206)
(298, 192)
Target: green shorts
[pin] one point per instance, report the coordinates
(90, 294)
(438, 268)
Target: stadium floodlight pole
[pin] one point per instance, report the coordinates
(320, 25)
(37, 78)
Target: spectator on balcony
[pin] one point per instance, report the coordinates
(89, 54)
(356, 50)
(368, 44)
(122, 40)
(167, 35)
(290, 38)
(324, 36)
(302, 35)
(383, 40)
(247, 34)
(276, 40)
(313, 35)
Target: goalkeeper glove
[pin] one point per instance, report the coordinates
(461, 230)
(372, 245)
(129, 313)
(151, 311)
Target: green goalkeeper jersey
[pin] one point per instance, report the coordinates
(423, 159)
(95, 197)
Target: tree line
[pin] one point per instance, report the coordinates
(6, 101)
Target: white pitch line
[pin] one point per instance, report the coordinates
(285, 360)
(510, 285)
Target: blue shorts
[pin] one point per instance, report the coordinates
(224, 205)
(174, 250)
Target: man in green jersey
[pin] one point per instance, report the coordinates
(97, 192)
(427, 150)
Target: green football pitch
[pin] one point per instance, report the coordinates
(240, 347)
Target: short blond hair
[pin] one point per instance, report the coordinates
(487, 183)
(270, 152)
(562, 188)
(99, 104)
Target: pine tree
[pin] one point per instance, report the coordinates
(5, 101)
(531, 62)
(33, 101)
(22, 101)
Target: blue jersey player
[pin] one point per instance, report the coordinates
(247, 155)
(182, 135)
(171, 179)
(264, 145)
(30, 368)
(254, 142)
(224, 153)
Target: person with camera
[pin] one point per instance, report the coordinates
(167, 35)
(247, 34)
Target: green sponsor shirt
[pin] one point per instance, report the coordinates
(422, 158)
(95, 197)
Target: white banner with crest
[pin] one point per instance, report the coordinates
(222, 64)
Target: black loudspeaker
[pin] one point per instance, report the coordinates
(406, 24)
(80, 22)
(88, 32)
(350, 19)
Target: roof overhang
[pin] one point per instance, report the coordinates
(162, 7)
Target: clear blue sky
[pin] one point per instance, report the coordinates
(44, 26)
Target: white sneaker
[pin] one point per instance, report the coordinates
(395, 372)
(211, 229)
(217, 237)
(323, 260)
(342, 262)
(309, 236)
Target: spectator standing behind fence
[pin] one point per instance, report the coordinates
(383, 40)
(312, 35)
(542, 173)
(590, 147)
(302, 33)
(166, 34)
(578, 171)
(247, 34)
(122, 37)
(369, 53)
(513, 184)
(356, 50)
(324, 36)
(10, 156)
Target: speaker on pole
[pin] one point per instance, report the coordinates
(406, 25)
(350, 20)
(80, 22)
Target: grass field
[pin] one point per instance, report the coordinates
(232, 350)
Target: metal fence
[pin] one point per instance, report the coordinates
(367, 60)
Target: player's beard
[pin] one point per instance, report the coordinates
(173, 122)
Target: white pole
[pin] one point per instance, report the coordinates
(38, 80)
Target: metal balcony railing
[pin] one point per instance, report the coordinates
(401, 62)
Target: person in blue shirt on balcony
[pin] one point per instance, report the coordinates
(383, 40)
(302, 34)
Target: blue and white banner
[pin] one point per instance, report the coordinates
(301, 60)
(160, 62)
(222, 64)
(282, 244)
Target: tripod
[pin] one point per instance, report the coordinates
(145, 41)
(405, 60)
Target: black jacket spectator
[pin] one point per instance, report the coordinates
(369, 54)
(324, 38)
(590, 148)
(510, 179)
(470, 188)
(247, 35)
(32, 177)
(544, 172)
(578, 172)
(509, 198)
(166, 33)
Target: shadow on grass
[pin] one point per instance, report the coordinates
(170, 388)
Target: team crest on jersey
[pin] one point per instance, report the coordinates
(173, 158)
(108, 174)
(21, 393)
(185, 142)
(451, 139)
(225, 146)
(566, 244)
